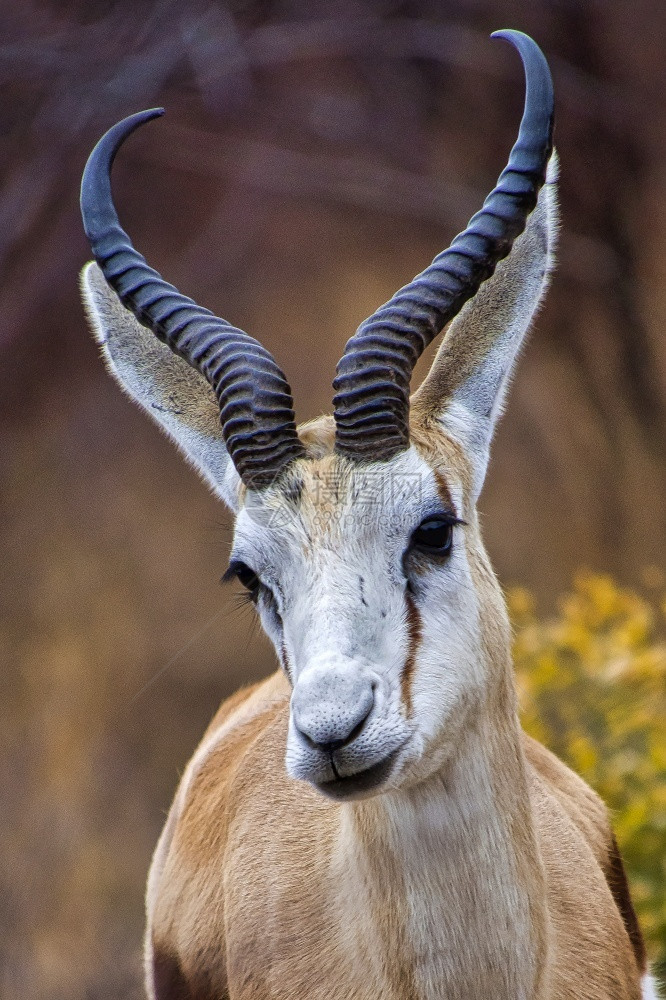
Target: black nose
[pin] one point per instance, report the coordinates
(327, 727)
(330, 746)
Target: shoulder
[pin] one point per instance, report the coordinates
(199, 813)
(186, 876)
(553, 784)
(561, 797)
(251, 716)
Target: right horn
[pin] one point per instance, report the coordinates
(373, 375)
(256, 408)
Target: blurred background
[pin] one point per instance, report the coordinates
(314, 157)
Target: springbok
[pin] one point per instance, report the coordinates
(418, 843)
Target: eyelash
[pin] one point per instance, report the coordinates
(251, 593)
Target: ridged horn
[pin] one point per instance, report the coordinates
(373, 375)
(256, 407)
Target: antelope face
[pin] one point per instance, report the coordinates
(356, 536)
(362, 581)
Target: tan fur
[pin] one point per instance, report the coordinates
(318, 436)
(258, 866)
(267, 889)
(491, 873)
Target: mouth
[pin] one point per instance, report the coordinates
(360, 784)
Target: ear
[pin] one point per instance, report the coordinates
(167, 388)
(464, 391)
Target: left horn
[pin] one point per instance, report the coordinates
(373, 375)
(256, 407)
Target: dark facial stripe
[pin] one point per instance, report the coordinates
(443, 491)
(413, 643)
(286, 664)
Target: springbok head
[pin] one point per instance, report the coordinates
(356, 535)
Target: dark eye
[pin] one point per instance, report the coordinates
(247, 576)
(434, 535)
(244, 574)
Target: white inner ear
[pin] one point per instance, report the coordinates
(500, 315)
(177, 398)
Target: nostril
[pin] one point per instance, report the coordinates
(323, 731)
(332, 745)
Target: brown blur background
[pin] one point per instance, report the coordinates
(315, 155)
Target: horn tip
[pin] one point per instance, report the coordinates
(525, 45)
(95, 183)
(538, 76)
(151, 113)
(511, 35)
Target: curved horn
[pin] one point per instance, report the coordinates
(256, 408)
(373, 375)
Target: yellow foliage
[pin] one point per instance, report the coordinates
(592, 685)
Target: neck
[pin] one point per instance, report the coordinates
(452, 875)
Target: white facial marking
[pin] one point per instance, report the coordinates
(380, 639)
